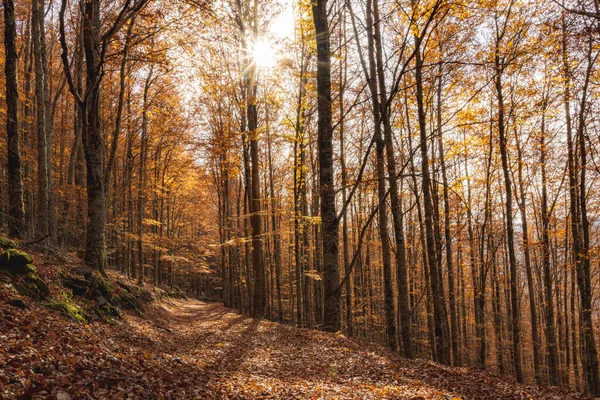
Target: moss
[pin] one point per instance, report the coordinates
(105, 287)
(66, 306)
(17, 262)
(7, 243)
(32, 286)
(124, 286)
(130, 302)
(98, 286)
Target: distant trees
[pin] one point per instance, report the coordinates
(63, 164)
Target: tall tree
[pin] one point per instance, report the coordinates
(38, 33)
(95, 45)
(329, 220)
(15, 181)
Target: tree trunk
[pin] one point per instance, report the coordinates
(551, 348)
(510, 232)
(439, 305)
(329, 222)
(15, 181)
(39, 49)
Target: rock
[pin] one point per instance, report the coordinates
(124, 286)
(19, 303)
(16, 262)
(85, 270)
(67, 307)
(79, 286)
(32, 286)
(101, 300)
(7, 243)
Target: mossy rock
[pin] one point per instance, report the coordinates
(19, 303)
(101, 287)
(67, 307)
(17, 262)
(110, 310)
(124, 286)
(7, 243)
(32, 286)
(130, 302)
(79, 286)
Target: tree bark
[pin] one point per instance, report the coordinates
(439, 305)
(329, 222)
(41, 86)
(15, 181)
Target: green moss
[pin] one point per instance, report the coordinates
(124, 286)
(130, 302)
(66, 305)
(7, 243)
(17, 262)
(32, 286)
(106, 288)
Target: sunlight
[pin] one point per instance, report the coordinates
(263, 54)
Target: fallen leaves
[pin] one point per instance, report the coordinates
(186, 349)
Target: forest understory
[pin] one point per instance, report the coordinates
(184, 348)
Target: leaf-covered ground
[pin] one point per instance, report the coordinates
(188, 349)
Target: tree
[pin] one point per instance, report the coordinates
(329, 220)
(16, 207)
(95, 44)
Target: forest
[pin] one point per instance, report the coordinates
(416, 175)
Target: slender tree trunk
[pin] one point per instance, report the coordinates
(15, 182)
(345, 240)
(390, 315)
(39, 48)
(142, 177)
(579, 226)
(437, 290)
(275, 228)
(396, 203)
(454, 332)
(535, 337)
(510, 232)
(551, 348)
(329, 222)
(259, 294)
(93, 141)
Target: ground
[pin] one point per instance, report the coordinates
(189, 349)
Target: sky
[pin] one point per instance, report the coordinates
(283, 24)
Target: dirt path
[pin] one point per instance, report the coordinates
(212, 352)
(185, 349)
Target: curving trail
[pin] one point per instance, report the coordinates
(221, 354)
(188, 349)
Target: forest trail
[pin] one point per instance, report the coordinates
(190, 349)
(209, 351)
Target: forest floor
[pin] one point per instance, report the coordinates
(189, 349)
(76, 340)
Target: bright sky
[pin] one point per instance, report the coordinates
(283, 25)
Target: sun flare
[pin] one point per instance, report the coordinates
(263, 54)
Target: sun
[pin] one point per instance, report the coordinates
(263, 54)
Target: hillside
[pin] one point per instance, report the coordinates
(185, 348)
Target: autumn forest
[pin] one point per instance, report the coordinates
(416, 175)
